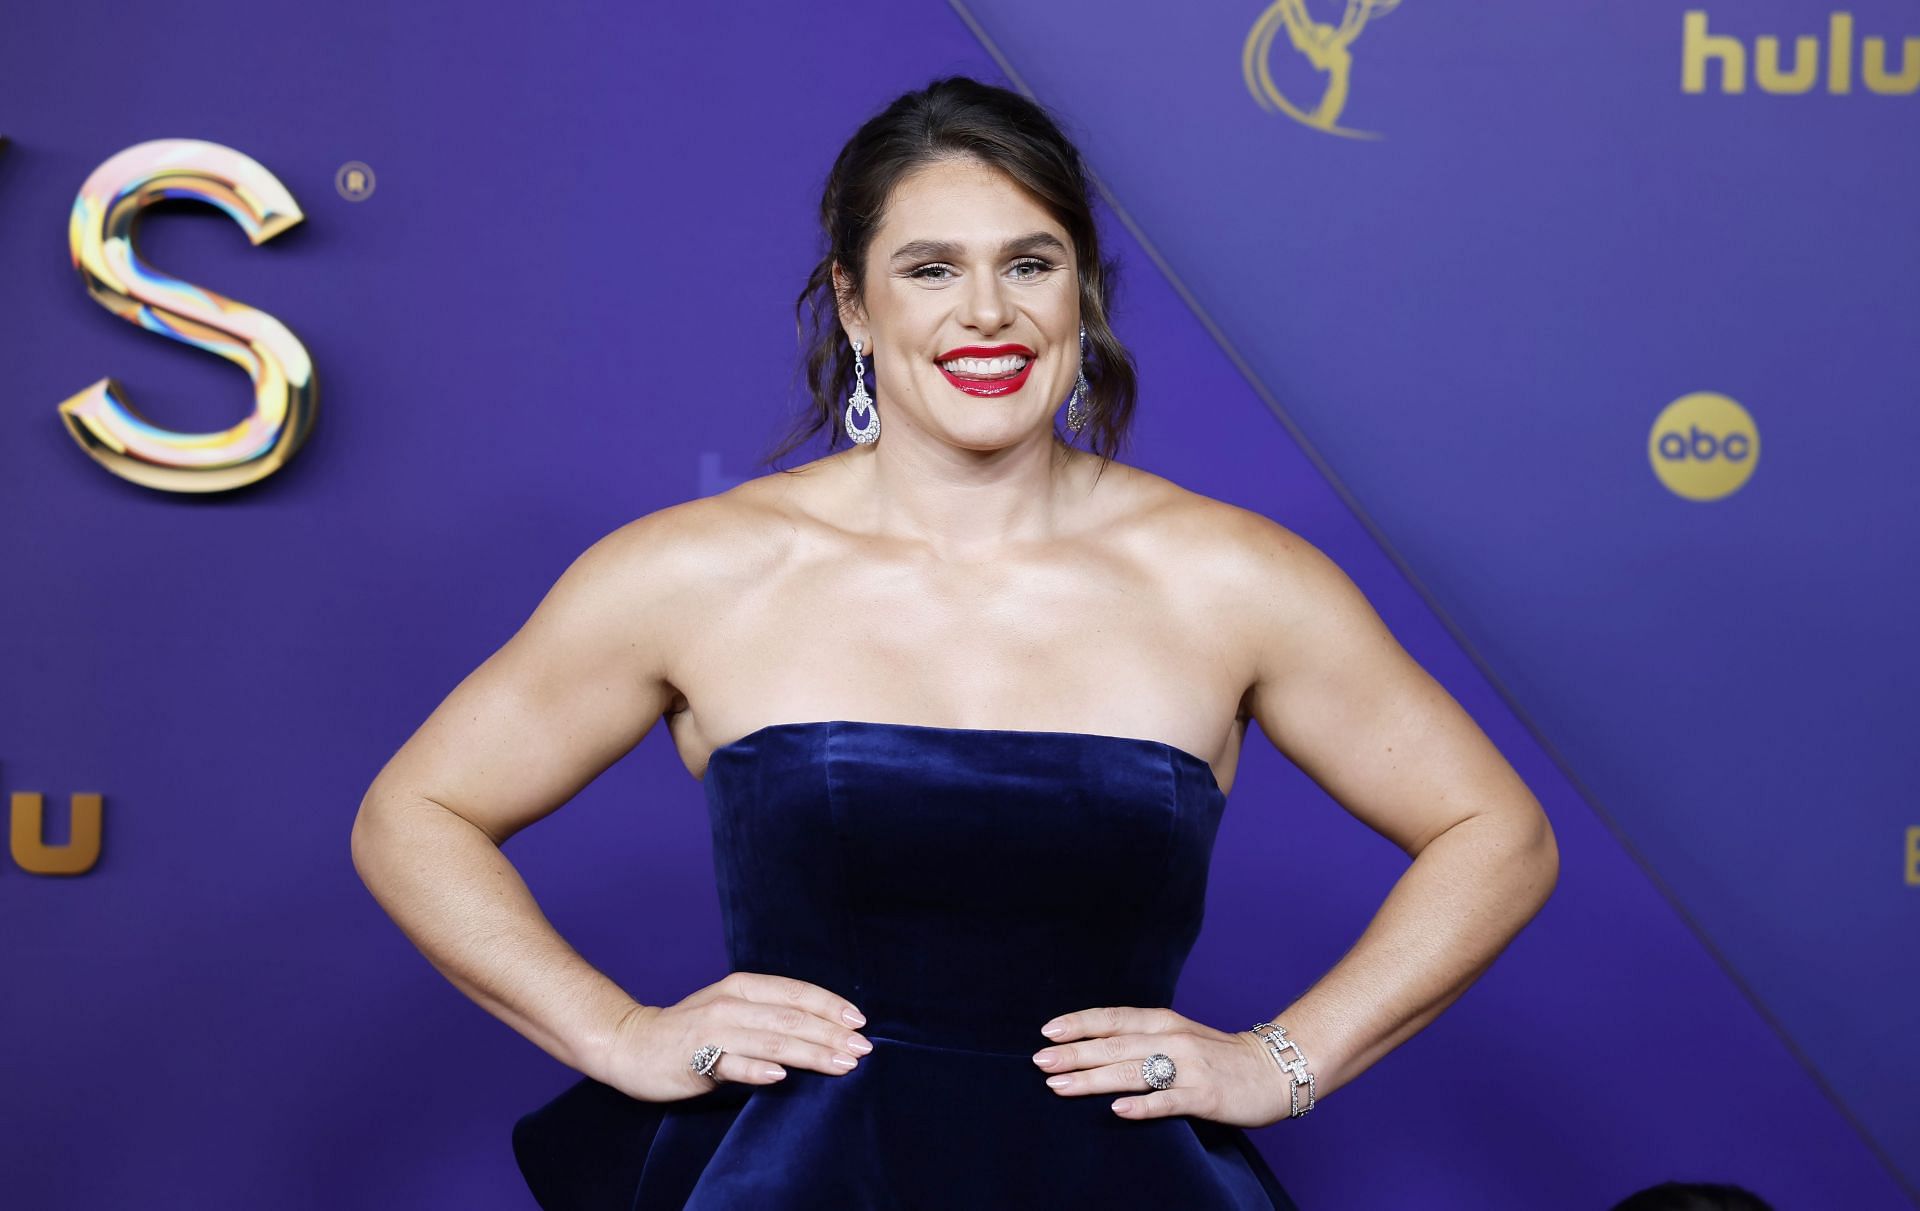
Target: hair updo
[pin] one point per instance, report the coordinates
(956, 116)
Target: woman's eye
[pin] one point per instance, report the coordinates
(1025, 271)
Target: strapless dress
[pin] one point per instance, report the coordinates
(961, 886)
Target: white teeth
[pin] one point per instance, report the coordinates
(987, 367)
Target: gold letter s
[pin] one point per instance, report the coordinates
(100, 236)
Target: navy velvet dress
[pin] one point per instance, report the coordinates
(961, 886)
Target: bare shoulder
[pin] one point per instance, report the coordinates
(585, 677)
(673, 573)
(1280, 613)
(626, 606)
(696, 547)
(702, 535)
(1227, 552)
(1330, 685)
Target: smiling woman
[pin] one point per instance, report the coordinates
(957, 188)
(967, 702)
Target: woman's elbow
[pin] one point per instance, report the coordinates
(1540, 850)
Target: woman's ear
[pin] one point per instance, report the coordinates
(853, 317)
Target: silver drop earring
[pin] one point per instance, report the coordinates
(1076, 414)
(870, 430)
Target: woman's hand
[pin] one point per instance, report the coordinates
(1229, 1078)
(762, 1021)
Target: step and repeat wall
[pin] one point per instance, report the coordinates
(332, 335)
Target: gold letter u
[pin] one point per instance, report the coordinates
(30, 849)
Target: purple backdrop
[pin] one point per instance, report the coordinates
(568, 303)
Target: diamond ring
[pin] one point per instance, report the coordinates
(1157, 1070)
(706, 1060)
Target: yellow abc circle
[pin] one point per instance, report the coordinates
(1703, 446)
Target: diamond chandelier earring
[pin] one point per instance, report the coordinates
(869, 430)
(1076, 413)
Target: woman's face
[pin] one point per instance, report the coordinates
(966, 258)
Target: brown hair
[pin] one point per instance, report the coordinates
(956, 116)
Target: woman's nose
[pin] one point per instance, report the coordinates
(985, 307)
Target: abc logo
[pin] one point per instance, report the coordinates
(1703, 446)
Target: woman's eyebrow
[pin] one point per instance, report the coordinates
(1033, 241)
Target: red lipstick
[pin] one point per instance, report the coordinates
(988, 386)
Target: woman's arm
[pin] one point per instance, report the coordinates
(578, 686)
(1342, 699)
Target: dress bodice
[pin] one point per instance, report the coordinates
(962, 886)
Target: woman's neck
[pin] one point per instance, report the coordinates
(965, 504)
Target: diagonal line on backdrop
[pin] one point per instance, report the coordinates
(1466, 645)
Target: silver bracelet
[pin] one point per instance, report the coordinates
(1275, 1037)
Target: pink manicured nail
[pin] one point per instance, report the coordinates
(853, 1017)
(1051, 1031)
(1059, 1082)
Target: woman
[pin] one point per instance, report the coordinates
(967, 700)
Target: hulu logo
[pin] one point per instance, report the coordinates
(1699, 48)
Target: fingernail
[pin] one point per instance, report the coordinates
(1043, 1059)
(1050, 1030)
(858, 1045)
(1122, 1104)
(776, 1072)
(853, 1017)
(1059, 1082)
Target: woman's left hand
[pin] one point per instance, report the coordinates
(1229, 1078)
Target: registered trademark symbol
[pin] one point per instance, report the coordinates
(354, 180)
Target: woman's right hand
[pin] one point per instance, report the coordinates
(764, 1022)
